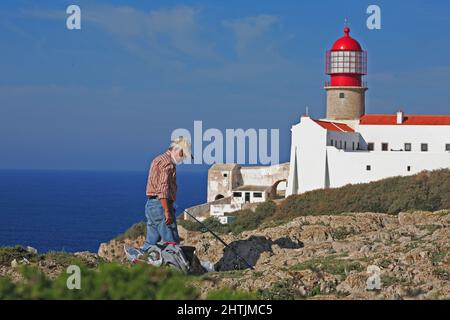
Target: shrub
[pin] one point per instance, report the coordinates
(110, 281)
(136, 230)
(8, 254)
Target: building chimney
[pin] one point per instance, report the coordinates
(400, 117)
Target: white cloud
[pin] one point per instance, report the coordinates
(249, 30)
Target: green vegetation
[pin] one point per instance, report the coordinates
(112, 282)
(136, 230)
(282, 290)
(437, 257)
(341, 233)
(228, 294)
(245, 220)
(8, 254)
(430, 228)
(329, 264)
(442, 274)
(426, 191)
(388, 281)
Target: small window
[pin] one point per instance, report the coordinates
(237, 194)
(345, 145)
(353, 145)
(370, 146)
(369, 168)
(408, 147)
(335, 143)
(424, 147)
(340, 144)
(384, 146)
(447, 147)
(408, 168)
(225, 175)
(358, 147)
(257, 195)
(341, 95)
(332, 142)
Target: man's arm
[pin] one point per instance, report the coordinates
(167, 212)
(164, 194)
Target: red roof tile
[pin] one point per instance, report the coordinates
(334, 126)
(411, 120)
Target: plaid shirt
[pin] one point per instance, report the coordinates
(162, 178)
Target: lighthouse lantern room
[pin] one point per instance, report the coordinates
(346, 64)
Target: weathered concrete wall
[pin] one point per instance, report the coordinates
(264, 175)
(222, 178)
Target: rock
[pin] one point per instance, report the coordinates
(14, 263)
(32, 250)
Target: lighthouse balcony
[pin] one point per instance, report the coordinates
(329, 84)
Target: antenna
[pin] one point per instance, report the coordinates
(307, 110)
(346, 22)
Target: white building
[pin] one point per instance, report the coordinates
(349, 146)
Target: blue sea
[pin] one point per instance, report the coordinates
(77, 210)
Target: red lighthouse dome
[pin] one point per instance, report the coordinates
(346, 62)
(346, 43)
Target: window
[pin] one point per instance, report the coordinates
(353, 145)
(257, 195)
(237, 194)
(340, 144)
(370, 146)
(424, 147)
(358, 147)
(335, 143)
(225, 175)
(408, 147)
(341, 95)
(447, 147)
(384, 146)
(408, 168)
(345, 145)
(332, 142)
(368, 168)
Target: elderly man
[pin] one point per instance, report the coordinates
(161, 193)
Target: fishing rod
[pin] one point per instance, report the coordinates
(221, 240)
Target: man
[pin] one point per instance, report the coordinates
(161, 193)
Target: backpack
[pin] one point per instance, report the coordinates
(163, 253)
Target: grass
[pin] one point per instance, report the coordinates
(430, 228)
(329, 264)
(342, 232)
(442, 274)
(136, 230)
(8, 254)
(391, 280)
(437, 257)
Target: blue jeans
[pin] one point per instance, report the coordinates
(157, 230)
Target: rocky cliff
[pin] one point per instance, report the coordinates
(330, 257)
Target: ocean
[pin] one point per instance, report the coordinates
(77, 210)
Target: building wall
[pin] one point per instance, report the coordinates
(398, 135)
(351, 167)
(308, 157)
(221, 180)
(253, 199)
(264, 175)
(352, 106)
(315, 164)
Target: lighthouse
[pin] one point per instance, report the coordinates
(346, 64)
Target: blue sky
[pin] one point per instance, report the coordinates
(108, 96)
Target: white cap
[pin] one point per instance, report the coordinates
(184, 144)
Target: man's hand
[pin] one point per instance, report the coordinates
(168, 217)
